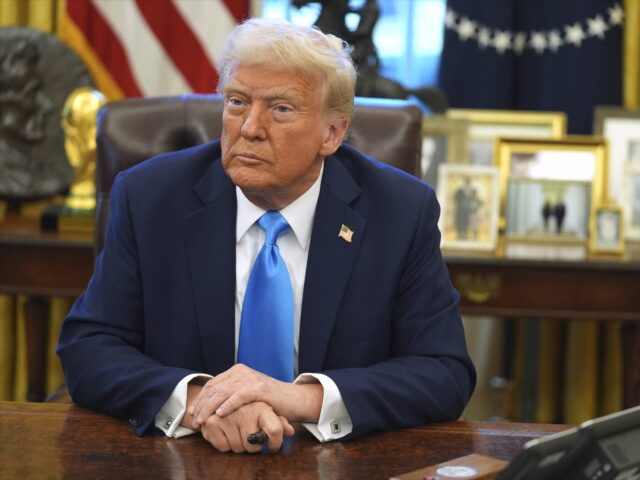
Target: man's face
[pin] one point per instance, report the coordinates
(275, 133)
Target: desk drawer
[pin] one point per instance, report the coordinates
(536, 290)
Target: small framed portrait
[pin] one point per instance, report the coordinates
(621, 128)
(469, 198)
(485, 126)
(631, 201)
(550, 188)
(607, 234)
(444, 140)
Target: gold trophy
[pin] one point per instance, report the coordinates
(79, 124)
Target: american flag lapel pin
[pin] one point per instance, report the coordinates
(345, 233)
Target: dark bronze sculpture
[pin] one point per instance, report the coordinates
(370, 82)
(37, 73)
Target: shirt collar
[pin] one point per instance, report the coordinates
(299, 213)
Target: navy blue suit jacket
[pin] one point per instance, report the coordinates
(379, 314)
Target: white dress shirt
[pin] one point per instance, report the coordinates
(334, 421)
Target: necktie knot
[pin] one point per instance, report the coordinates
(273, 224)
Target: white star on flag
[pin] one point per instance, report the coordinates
(502, 41)
(484, 37)
(597, 26)
(538, 42)
(616, 15)
(555, 40)
(466, 29)
(519, 42)
(574, 34)
(450, 18)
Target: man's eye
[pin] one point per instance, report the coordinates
(234, 102)
(283, 109)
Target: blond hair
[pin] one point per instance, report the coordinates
(281, 44)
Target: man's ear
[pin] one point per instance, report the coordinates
(334, 136)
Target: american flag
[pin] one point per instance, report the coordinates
(137, 48)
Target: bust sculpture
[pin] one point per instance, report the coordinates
(37, 72)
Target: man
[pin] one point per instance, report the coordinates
(168, 334)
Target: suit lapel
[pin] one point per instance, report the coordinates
(331, 259)
(211, 249)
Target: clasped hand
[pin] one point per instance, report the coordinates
(242, 400)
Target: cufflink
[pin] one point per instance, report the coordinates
(335, 427)
(169, 422)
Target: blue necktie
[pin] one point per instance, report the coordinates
(266, 327)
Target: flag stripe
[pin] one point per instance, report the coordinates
(73, 36)
(238, 9)
(154, 72)
(180, 43)
(105, 43)
(211, 22)
(151, 47)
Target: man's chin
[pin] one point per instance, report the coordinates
(247, 179)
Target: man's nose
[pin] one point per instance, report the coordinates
(255, 123)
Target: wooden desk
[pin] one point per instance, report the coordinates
(66, 441)
(38, 264)
(595, 289)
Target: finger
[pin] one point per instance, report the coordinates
(201, 395)
(213, 434)
(234, 438)
(270, 423)
(217, 390)
(210, 401)
(287, 428)
(206, 408)
(257, 391)
(239, 398)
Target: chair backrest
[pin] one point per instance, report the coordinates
(132, 130)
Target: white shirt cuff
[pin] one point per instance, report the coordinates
(170, 415)
(334, 421)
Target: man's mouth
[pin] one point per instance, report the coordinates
(249, 158)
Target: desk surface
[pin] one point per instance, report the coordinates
(66, 441)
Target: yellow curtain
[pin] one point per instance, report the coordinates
(43, 15)
(40, 14)
(631, 57)
(7, 346)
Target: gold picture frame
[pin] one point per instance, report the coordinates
(621, 127)
(485, 126)
(469, 197)
(549, 189)
(444, 140)
(607, 230)
(631, 201)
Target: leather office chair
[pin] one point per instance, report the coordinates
(132, 130)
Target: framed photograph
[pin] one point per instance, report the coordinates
(631, 200)
(469, 197)
(550, 188)
(622, 129)
(485, 126)
(444, 140)
(607, 230)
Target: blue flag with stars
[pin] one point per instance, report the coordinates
(534, 55)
